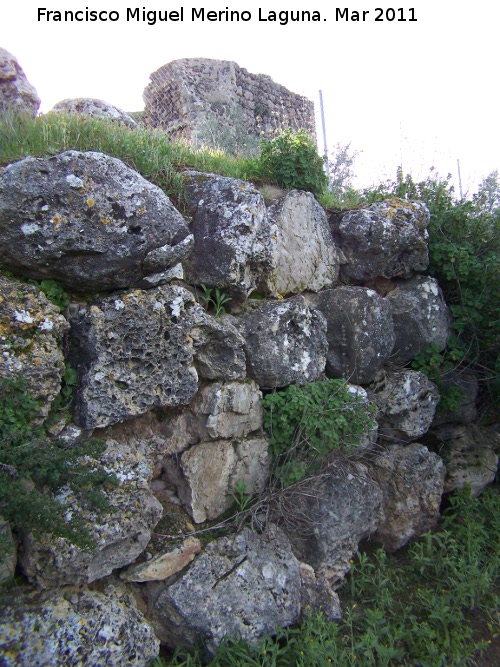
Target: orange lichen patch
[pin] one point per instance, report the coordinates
(396, 205)
(90, 202)
(141, 211)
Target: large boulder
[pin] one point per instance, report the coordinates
(406, 402)
(87, 106)
(16, 92)
(387, 239)
(121, 533)
(88, 221)
(31, 334)
(231, 231)
(134, 352)
(420, 316)
(285, 342)
(244, 585)
(412, 480)
(304, 256)
(359, 332)
(327, 520)
(76, 627)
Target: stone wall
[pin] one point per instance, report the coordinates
(183, 92)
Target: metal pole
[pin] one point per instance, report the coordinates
(327, 166)
(460, 180)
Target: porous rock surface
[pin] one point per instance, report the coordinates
(304, 256)
(231, 234)
(88, 221)
(285, 342)
(133, 352)
(411, 479)
(420, 317)
(469, 453)
(31, 334)
(242, 585)
(387, 239)
(76, 627)
(328, 520)
(406, 402)
(87, 106)
(16, 92)
(120, 533)
(359, 331)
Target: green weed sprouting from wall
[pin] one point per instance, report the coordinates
(291, 160)
(307, 423)
(34, 467)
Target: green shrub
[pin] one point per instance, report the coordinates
(34, 467)
(306, 423)
(291, 161)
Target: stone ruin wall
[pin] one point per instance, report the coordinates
(182, 93)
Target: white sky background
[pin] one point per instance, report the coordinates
(420, 94)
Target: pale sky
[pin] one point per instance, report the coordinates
(418, 93)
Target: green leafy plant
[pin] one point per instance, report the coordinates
(34, 468)
(306, 423)
(53, 291)
(291, 160)
(242, 498)
(213, 299)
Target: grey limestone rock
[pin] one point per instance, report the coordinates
(420, 316)
(387, 239)
(88, 221)
(87, 106)
(304, 255)
(16, 92)
(231, 234)
(332, 516)
(134, 352)
(406, 402)
(285, 342)
(31, 335)
(245, 584)
(76, 627)
(359, 331)
(218, 350)
(467, 382)
(317, 595)
(120, 533)
(469, 455)
(412, 481)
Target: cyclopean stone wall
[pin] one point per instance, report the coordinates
(182, 92)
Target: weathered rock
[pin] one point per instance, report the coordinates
(133, 352)
(316, 595)
(329, 520)
(420, 316)
(231, 234)
(406, 402)
(245, 585)
(411, 479)
(233, 409)
(468, 385)
(120, 534)
(285, 342)
(387, 239)
(88, 221)
(209, 473)
(469, 455)
(86, 106)
(8, 552)
(78, 628)
(16, 92)
(164, 565)
(304, 256)
(31, 333)
(359, 331)
(218, 350)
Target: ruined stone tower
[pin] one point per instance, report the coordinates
(183, 93)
